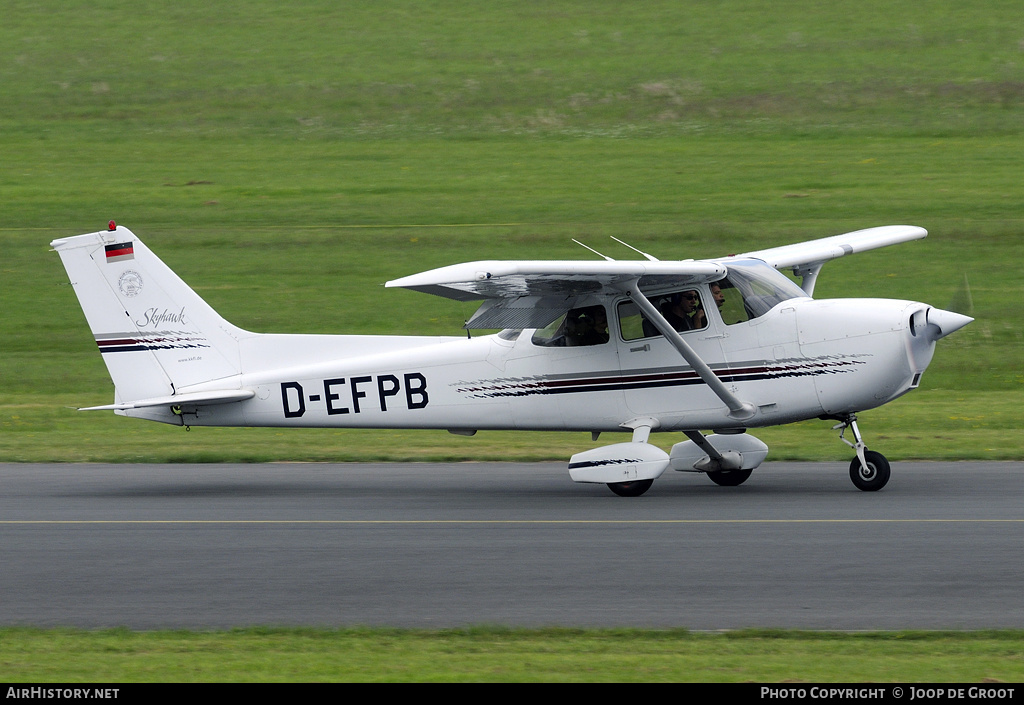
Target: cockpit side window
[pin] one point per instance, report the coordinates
(583, 326)
(752, 289)
(683, 310)
(730, 302)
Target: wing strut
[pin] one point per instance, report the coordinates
(808, 274)
(738, 409)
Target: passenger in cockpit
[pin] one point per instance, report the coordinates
(716, 293)
(684, 312)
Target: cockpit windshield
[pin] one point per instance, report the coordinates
(751, 289)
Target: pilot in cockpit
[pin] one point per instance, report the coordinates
(586, 326)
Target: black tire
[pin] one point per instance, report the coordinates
(729, 478)
(872, 478)
(630, 489)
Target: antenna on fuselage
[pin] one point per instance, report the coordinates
(592, 250)
(651, 258)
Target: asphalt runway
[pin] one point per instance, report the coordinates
(441, 545)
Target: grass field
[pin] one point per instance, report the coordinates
(286, 159)
(494, 654)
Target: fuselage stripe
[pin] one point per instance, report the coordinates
(520, 388)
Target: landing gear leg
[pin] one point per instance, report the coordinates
(869, 470)
(630, 489)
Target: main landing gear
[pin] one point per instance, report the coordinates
(869, 470)
(729, 478)
(630, 489)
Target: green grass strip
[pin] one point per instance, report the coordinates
(496, 654)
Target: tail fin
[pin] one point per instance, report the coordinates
(157, 336)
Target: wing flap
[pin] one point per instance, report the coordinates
(519, 313)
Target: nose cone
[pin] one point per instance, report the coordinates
(942, 323)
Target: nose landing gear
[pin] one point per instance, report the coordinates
(869, 471)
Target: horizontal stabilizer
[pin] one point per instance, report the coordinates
(226, 396)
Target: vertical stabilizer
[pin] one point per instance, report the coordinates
(156, 335)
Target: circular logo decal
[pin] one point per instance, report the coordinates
(130, 283)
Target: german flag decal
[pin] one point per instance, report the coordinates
(121, 252)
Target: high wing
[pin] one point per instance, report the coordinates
(807, 258)
(531, 294)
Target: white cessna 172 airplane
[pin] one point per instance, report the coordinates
(717, 345)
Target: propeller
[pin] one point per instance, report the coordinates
(941, 323)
